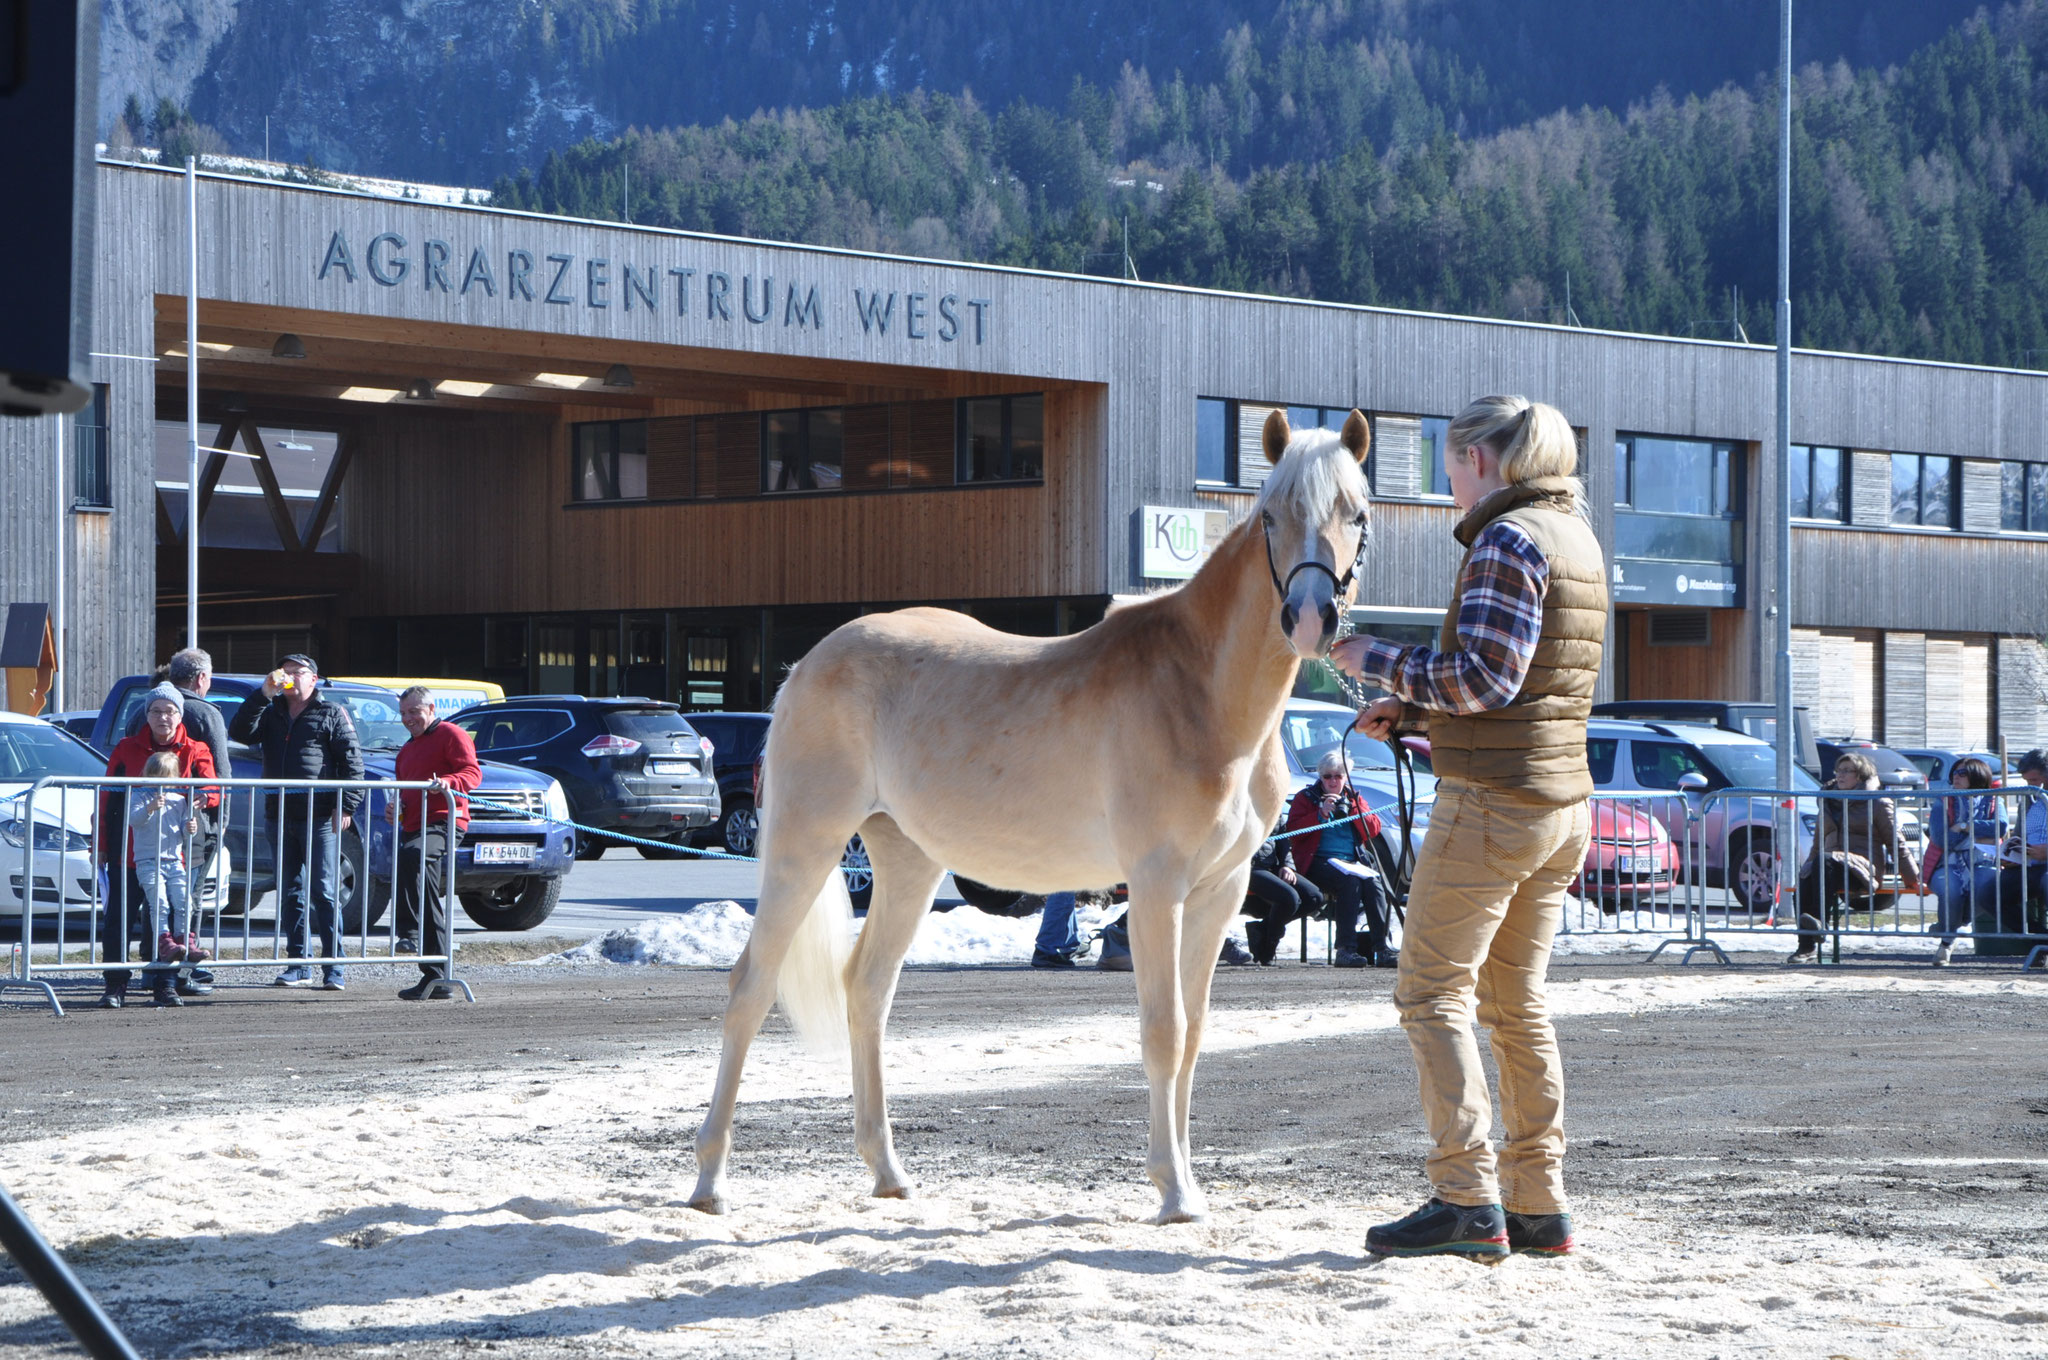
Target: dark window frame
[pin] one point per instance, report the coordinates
(802, 467)
(1232, 414)
(963, 447)
(1809, 454)
(1730, 491)
(1919, 464)
(92, 482)
(2033, 496)
(613, 454)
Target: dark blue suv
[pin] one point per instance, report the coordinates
(508, 871)
(631, 765)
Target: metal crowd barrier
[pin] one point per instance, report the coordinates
(1695, 866)
(233, 862)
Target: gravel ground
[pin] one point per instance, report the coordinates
(1848, 1163)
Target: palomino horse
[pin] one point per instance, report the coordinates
(1144, 750)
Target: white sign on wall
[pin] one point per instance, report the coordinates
(1173, 542)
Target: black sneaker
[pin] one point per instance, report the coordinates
(1046, 958)
(1234, 954)
(192, 986)
(428, 989)
(1348, 958)
(1540, 1234)
(1441, 1229)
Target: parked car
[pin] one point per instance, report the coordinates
(78, 722)
(1894, 771)
(62, 855)
(1939, 766)
(1751, 719)
(736, 741)
(1630, 860)
(1666, 761)
(631, 765)
(450, 696)
(508, 869)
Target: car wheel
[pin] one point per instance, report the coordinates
(1752, 875)
(362, 905)
(739, 830)
(860, 875)
(589, 846)
(519, 905)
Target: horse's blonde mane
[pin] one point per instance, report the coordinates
(1312, 477)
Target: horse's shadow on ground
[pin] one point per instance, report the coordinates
(222, 1305)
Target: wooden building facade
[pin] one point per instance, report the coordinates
(594, 457)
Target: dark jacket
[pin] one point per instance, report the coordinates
(1307, 810)
(319, 744)
(203, 723)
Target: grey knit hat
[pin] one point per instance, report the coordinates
(166, 693)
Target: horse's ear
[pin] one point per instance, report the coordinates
(1275, 435)
(1357, 435)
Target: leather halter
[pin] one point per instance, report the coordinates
(1340, 584)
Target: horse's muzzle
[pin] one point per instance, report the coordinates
(1308, 614)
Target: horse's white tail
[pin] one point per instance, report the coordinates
(812, 983)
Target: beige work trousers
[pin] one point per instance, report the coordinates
(1485, 903)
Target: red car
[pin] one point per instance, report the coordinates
(1630, 859)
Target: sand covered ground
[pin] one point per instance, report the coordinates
(532, 1204)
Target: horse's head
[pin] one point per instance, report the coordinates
(1316, 515)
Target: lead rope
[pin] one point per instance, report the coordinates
(1404, 780)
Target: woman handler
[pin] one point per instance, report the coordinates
(1505, 694)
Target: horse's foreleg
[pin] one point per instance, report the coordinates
(905, 879)
(1155, 928)
(1206, 921)
(789, 890)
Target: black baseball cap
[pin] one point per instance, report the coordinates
(308, 662)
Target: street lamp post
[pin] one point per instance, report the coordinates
(1787, 841)
(192, 401)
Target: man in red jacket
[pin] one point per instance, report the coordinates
(163, 729)
(443, 755)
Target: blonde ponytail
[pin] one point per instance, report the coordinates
(1531, 438)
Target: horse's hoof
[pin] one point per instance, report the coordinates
(709, 1204)
(1184, 1214)
(894, 1192)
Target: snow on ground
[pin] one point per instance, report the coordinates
(513, 1208)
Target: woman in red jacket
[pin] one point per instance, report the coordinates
(163, 731)
(1331, 853)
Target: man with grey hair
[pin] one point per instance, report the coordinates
(441, 756)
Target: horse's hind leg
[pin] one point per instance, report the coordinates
(790, 881)
(1203, 926)
(905, 879)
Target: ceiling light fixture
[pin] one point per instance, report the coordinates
(618, 375)
(288, 346)
(420, 389)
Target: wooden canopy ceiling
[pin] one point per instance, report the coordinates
(358, 359)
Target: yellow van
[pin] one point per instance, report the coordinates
(450, 696)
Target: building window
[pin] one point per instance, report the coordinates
(91, 482)
(1924, 490)
(1215, 441)
(1678, 532)
(303, 509)
(803, 450)
(1820, 483)
(2023, 497)
(609, 460)
(1674, 476)
(1001, 439)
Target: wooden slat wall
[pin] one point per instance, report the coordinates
(1870, 488)
(1980, 497)
(736, 465)
(1944, 706)
(1905, 689)
(1976, 681)
(2022, 692)
(1922, 581)
(671, 457)
(922, 443)
(866, 465)
(1713, 671)
(1397, 455)
(1252, 466)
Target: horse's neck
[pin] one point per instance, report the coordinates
(1232, 605)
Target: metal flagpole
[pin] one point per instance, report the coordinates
(57, 596)
(192, 401)
(1787, 837)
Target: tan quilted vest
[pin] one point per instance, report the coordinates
(1534, 749)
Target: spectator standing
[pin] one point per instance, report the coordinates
(1340, 860)
(303, 736)
(1855, 848)
(1059, 936)
(190, 672)
(2023, 882)
(1962, 853)
(443, 756)
(163, 733)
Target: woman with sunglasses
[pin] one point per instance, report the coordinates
(1340, 860)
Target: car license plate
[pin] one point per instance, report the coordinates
(670, 767)
(503, 852)
(1626, 864)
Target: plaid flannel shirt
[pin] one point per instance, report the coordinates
(1500, 618)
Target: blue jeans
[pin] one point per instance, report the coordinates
(313, 868)
(1959, 888)
(1057, 931)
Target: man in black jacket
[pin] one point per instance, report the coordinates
(305, 737)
